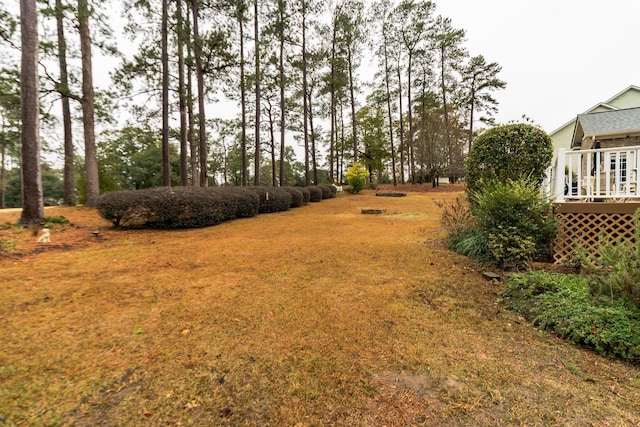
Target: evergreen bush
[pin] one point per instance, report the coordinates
(306, 195)
(272, 199)
(297, 199)
(315, 193)
(508, 152)
(246, 202)
(326, 191)
(517, 220)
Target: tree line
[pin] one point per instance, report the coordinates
(387, 84)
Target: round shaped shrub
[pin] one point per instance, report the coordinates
(506, 152)
(118, 207)
(272, 199)
(326, 191)
(297, 199)
(357, 178)
(315, 193)
(243, 201)
(306, 195)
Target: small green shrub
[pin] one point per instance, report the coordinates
(53, 221)
(357, 177)
(564, 305)
(471, 242)
(7, 245)
(517, 219)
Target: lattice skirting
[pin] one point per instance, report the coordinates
(583, 227)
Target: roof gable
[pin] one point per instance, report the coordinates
(606, 123)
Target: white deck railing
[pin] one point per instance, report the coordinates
(607, 174)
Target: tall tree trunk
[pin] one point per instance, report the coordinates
(184, 167)
(3, 174)
(443, 87)
(332, 107)
(272, 139)
(69, 188)
(402, 145)
(472, 108)
(166, 170)
(88, 113)
(388, 84)
(412, 165)
(256, 179)
(32, 204)
(305, 112)
(281, 11)
(191, 125)
(243, 106)
(202, 120)
(313, 143)
(353, 106)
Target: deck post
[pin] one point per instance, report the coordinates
(559, 177)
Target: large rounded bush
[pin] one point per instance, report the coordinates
(506, 152)
(297, 199)
(315, 193)
(272, 199)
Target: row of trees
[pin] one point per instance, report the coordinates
(297, 70)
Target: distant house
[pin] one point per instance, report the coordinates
(563, 137)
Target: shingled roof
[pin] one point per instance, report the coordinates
(609, 123)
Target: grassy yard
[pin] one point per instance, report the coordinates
(315, 316)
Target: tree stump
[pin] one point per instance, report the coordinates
(373, 211)
(391, 194)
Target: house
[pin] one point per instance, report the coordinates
(628, 98)
(598, 165)
(613, 128)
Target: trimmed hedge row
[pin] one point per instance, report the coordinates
(193, 207)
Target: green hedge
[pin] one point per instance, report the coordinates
(315, 193)
(193, 207)
(297, 199)
(272, 199)
(177, 207)
(306, 195)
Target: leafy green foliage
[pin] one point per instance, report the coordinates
(472, 243)
(517, 220)
(616, 273)
(357, 177)
(564, 304)
(53, 221)
(508, 152)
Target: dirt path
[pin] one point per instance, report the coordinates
(315, 316)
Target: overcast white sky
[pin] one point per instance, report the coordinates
(558, 57)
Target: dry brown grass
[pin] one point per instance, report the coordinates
(315, 316)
